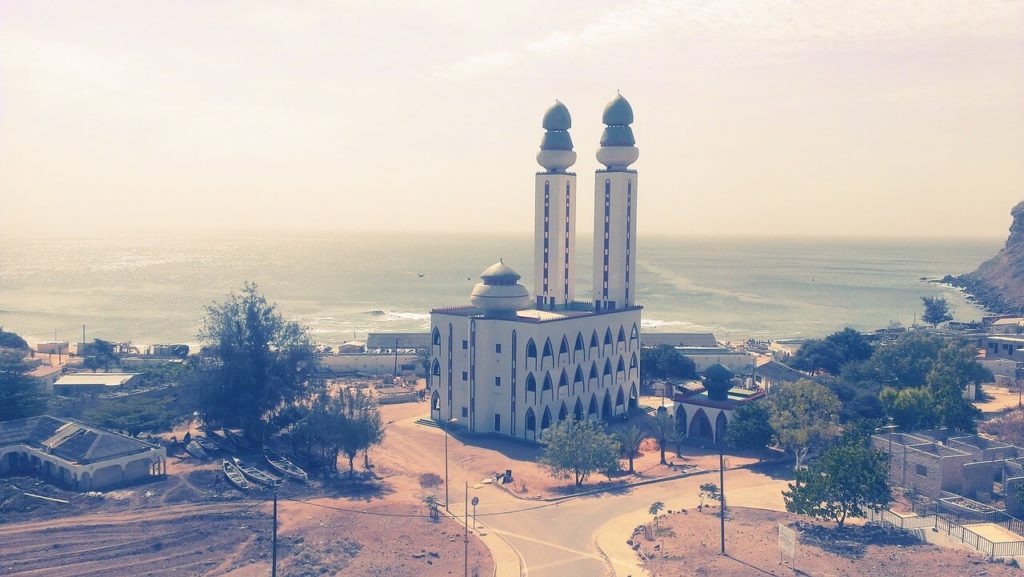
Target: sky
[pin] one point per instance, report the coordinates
(881, 118)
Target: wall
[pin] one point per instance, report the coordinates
(370, 363)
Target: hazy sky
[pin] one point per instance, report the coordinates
(847, 117)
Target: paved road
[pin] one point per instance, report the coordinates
(559, 540)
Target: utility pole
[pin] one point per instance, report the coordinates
(721, 483)
(465, 535)
(273, 554)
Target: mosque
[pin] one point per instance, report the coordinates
(513, 365)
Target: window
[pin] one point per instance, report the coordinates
(465, 376)
(497, 422)
(497, 381)
(921, 470)
(497, 348)
(465, 412)
(465, 344)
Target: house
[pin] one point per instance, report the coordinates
(771, 373)
(75, 455)
(91, 383)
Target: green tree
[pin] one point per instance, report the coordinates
(750, 427)
(665, 362)
(101, 355)
(9, 340)
(845, 481)
(663, 426)
(911, 408)
(850, 345)
(936, 310)
(655, 509)
(575, 449)
(955, 368)
(815, 355)
(254, 363)
(20, 395)
(362, 427)
(708, 491)
(804, 416)
(630, 440)
(134, 414)
(904, 362)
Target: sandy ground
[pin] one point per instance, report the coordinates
(688, 544)
(994, 533)
(1000, 399)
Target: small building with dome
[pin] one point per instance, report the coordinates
(514, 365)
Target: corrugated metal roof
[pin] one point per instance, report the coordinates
(70, 440)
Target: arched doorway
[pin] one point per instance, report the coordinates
(620, 399)
(681, 421)
(633, 400)
(700, 426)
(530, 430)
(720, 424)
(545, 421)
(435, 406)
(592, 410)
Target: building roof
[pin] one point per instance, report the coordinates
(44, 371)
(95, 379)
(71, 440)
(575, 310)
(779, 373)
(398, 340)
(678, 339)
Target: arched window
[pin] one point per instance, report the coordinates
(606, 406)
(563, 381)
(579, 352)
(633, 365)
(545, 422)
(622, 338)
(531, 421)
(547, 383)
(606, 376)
(435, 402)
(563, 349)
(531, 353)
(592, 410)
(634, 335)
(577, 379)
(435, 369)
(594, 343)
(435, 337)
(593, 373)
(549, 353)
(577, 412)
(607, 341)
(531, 383)
(563, 412)
(620, 370)
(620, 399)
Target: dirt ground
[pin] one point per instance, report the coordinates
(194, 523)
(687, 544)
(999, 399)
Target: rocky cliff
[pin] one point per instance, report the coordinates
(998, 284)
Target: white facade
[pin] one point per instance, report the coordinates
(505, 366)
(555, 239)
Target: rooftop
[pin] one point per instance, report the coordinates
(95, 379)
(70, 440)
(678, 339)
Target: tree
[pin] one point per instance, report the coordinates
(664, 426)
(936, 310)
(575, 449)
(9, 340)
(630, 440)
(101, 355)
(255, 362)
(845, 481)
(20, 395)
(803, 416)
(431, 502)
(904, 362)
(344, 423)
(815, 355)
(665, 362)
(911, 408)
(135, 415)
(850, 345)
(750, 427)
(708, 491)
(656, 508)
(362, 427)
(952, 371)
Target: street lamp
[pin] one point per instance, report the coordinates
(446, 423)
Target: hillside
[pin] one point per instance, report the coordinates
(998, 284)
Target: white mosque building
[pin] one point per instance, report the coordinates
(511, 365)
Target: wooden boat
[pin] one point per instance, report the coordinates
(237, 440)
(256, 475)
(283, 466)
(221, 441)
(235, 476)
(196, 450)
(208, 445)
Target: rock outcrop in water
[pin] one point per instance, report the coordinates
(998, 284)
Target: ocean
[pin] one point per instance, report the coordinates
(154, 288)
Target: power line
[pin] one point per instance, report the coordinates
(410, 515)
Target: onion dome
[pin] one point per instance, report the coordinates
(618, 148)
(556, 153)
(618, 112)
(717, 381)
(500, 294)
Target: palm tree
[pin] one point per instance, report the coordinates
(631, 439)
(656, 507)
(664, 428)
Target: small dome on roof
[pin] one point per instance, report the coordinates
(618, 112)
(557, 117)
(500, 271)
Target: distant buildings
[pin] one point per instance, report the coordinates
(513, 365)
(92, 383)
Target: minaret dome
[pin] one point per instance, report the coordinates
(618, 147)
(556, 153)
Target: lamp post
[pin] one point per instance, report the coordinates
(721, 482)
(446, 423)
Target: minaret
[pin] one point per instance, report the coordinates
(555, 229)
(615, 198)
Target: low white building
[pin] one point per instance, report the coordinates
(85, 383)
